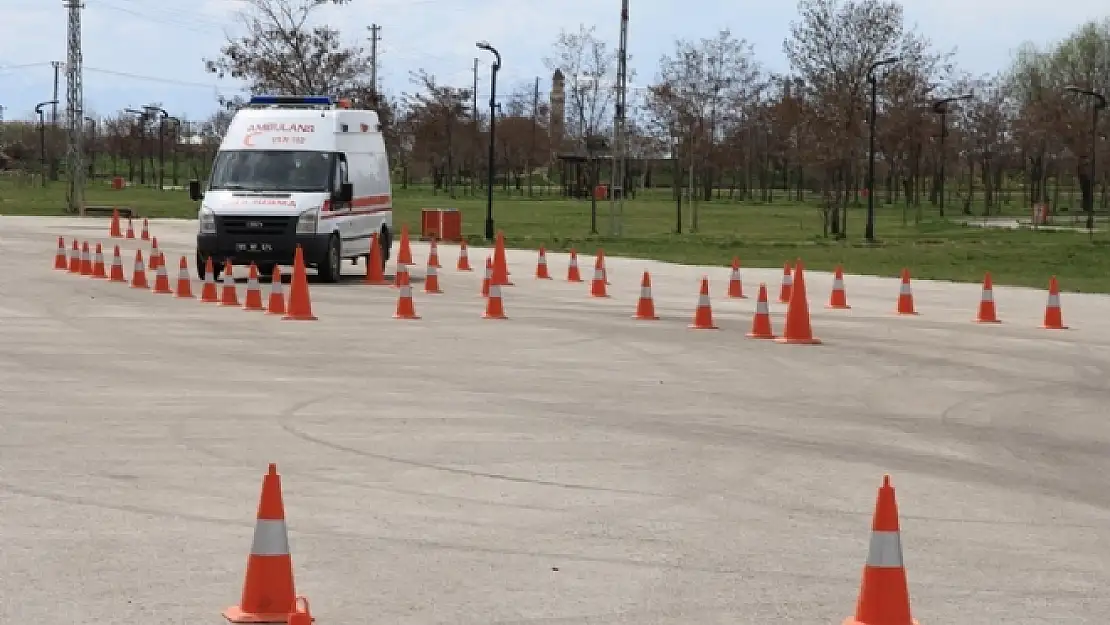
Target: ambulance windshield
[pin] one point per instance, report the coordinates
(272, 170)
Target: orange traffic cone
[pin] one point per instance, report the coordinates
(905, 295)
(884, 597)
(138, 277)
(253, 299)
(838, 299)
(703, 314)
(184, 281)
(597, 285)
(464, 259)
(114, 230)
(86, 260)
(115, 274)
(797, 329)
(604, 270)
(145, 235)
(761, 321)
(208, 292)
(573, 274)
(431, 280)
(405, 307)
(987, 312)
(375, 273)
(60, 256)
(98, 263)
(404, 253)
(787, 284)
(488, 277)
(433, 254)
(541, 266)
(268, 589)
(1053, 315)
(495, 308)
(162, 281)
(500, 263)
(130, 229)
(299, 307)
(276, 305)
(75, 258)
(735, 284)
(229, 293)
(645, 307)
(402, 273)
(299, 615)
(155, 254)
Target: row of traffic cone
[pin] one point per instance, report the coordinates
(116, 231)
(269, 589)
(80, 261)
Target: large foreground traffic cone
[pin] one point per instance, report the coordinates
(987, 312)
(208, 292)
(405, 307)
(138, 277)
(787, 284)
(645, 307)
(905, 295)
(703, 314)
(162, 281)
(735, 283)
(60, 261)
(299, 307)
(838, 299)
(268, 589)
(98, 262)
(597, 285)
(495, 308)
(761, 321)
(464, 259)
(184, 280)
(1053, 315)
(404, 252)
(115, 274)
(375, 273)
(253, 299)
(114, 230)
(797, 328)
(573, 275)
(884, 597)
(276, 304)
(229, 293)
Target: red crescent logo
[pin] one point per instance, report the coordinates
(249, 139)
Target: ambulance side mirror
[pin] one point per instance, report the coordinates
(194, 191)
(346, 192)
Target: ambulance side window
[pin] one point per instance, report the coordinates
(340, 172)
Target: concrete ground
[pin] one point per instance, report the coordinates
(568, 465)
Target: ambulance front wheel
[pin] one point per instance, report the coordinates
(331, 265)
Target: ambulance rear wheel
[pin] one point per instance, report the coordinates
(331, 265)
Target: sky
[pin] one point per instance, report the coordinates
(138, 52)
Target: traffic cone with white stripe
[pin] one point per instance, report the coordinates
(735, 283)
(541, 266)
(401, 274)
(433, 255)
(405, 307)
(987, 312)
(464, 259)
(905, 295)
(500, 262)
(645, 307)
(375, 273)
(138, 277)
(884, 596)
(130, 229)
(488, 277)
(787, 284)
(404, 252)
(299, 306)
(761, 321)
(597, 285)
(115, 274)
(75, 258)
(162, 281)
(229, 293)
(276, 305)
(1053, 315)
(155, 254)
(208, 292)
(269, 594)
(431, 280)
(60, 261)
(98, 263)
(86, 260)
(114, 230)
(253, 299)
(184, 280)
(703, 314)
(145, 234)
(495, 308)
(838, 299)
(573, 275)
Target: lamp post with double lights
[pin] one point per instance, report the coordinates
(869, 231)
(42, 135)
(940, 107)
(484, 45)
(1099, 104)
(161, 143)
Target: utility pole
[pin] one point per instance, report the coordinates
(374, 39)
(532, 151)
(477, 131)
(617, 177)
(57, 65)
(75, 104)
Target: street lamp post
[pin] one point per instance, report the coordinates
(1100, 103)
(869, 231)
(941, 108)
(484, 45)
(142, 117)
(161, 144)
(173, 146)
(42, 136)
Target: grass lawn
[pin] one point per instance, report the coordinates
(761, 235)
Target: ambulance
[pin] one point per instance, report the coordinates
(295, 170)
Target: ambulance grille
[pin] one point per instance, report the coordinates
(256, 226)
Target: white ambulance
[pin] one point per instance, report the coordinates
(296, 170)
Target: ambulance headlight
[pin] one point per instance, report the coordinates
(306, 223)
(207, 221)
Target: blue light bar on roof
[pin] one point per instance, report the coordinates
(309, 100)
